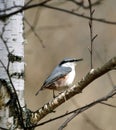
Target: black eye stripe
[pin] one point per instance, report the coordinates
(69, 60)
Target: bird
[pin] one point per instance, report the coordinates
(61, 77)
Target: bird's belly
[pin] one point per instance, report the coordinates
(70, 78)
(65, 82)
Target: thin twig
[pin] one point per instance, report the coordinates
(107, 104)
(35, 21)
(33, 30)
(91, 122)
(81, 3)
(28, 2)
(104, 98)
(5, 43)
(91, 33)
(43, 4)
(102, 20)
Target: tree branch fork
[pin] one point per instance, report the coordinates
(72, 91)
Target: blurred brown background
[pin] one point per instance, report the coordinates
(65, 35)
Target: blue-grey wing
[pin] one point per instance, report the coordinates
(57, 73)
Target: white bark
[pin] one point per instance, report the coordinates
(11, 32)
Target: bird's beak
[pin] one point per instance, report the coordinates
(78, 60)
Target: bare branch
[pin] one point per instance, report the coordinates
(35, 21)
(2, 38)
(104, 98)
(92, 37)
(44, 4)
(81, 3)
(81, 109)
(102, 20)
(28, 2)
(86, 117)
(33, 30)
(91, 32)
(107, 104)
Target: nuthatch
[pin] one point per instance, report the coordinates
(62, 76)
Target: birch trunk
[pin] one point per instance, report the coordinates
(11, 60)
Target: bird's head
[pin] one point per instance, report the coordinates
(69, 62)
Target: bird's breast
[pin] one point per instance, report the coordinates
(70, 78)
